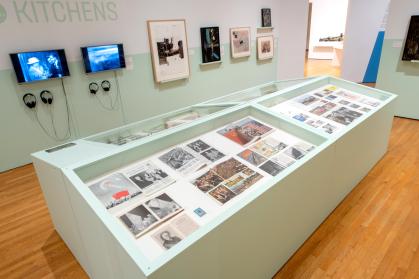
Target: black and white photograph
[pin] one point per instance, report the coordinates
(138, 220)
(295, 153)
(343, 116)
(198, 146)
(212, 154)
(330, 129)
(266, 17)
(114, 190)
(177, 158)
(283, 160)
(169, 49)
(163, 206)
(210, 44)
(307, 100)
(148, 175)
(167, 237)
(271, 168)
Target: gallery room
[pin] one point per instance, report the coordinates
(209, 140)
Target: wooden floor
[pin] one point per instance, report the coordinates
(374, 233)
(316, 67)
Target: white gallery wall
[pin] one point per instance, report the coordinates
(328, 18)
(27, 25)
(292, 21)
(365, 20)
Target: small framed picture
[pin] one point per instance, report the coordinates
(266, 18)
(210, 44)
(265, 47)
(240, 42)
(169, 49)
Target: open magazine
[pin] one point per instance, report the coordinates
(174, 231)
(150, 214)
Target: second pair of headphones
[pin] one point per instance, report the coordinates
(94, 87)
(30, 100)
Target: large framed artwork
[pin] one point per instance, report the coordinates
(169, 49)
(411, 47)
(210, 44)
(240, 42)
(265, 47)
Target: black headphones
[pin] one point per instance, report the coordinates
(30, 100)
(93, 87)
(47, 97)
(106, 85)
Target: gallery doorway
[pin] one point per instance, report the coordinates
(325, 37)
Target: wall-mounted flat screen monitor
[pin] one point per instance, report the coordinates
(103, 58)
(411, 47)
(40, 65)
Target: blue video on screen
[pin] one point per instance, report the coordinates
(40, 65)
(103, 58)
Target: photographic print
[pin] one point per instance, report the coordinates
(323, 109)
(207, 181)
(314, 123)
(163, 206)
(370, 102)
(240, 42)
(343, 102)
(167, 237)
(271, 168)
(365, 109)
(198, 146)
(239, 184)
(307, 100)
(245, 131)
(229, 168)
(252, 157)
(138, 220)
(330, 129)
(178, 159)
(268, 147)
(114, 190)
(210, 44)
(148, 177)
(411, 47)
(212, 154)
(222, 194)
(266, 18)
(177, 229)
(265, 47)
(283, 160)
(295, 153)
(169, 49)
(343, 116)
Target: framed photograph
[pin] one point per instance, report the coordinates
(240, 42)
(266, 18)
(265, 47)
(411, 47)
(169, 49)
(210, 44)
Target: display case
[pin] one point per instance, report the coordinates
(232, 194)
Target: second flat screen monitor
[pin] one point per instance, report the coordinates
(103, 58)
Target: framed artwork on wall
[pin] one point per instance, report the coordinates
(210, 44)
(240, 42)
(169, 49)
(265, 47)
(411, 47)
(266, 18)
